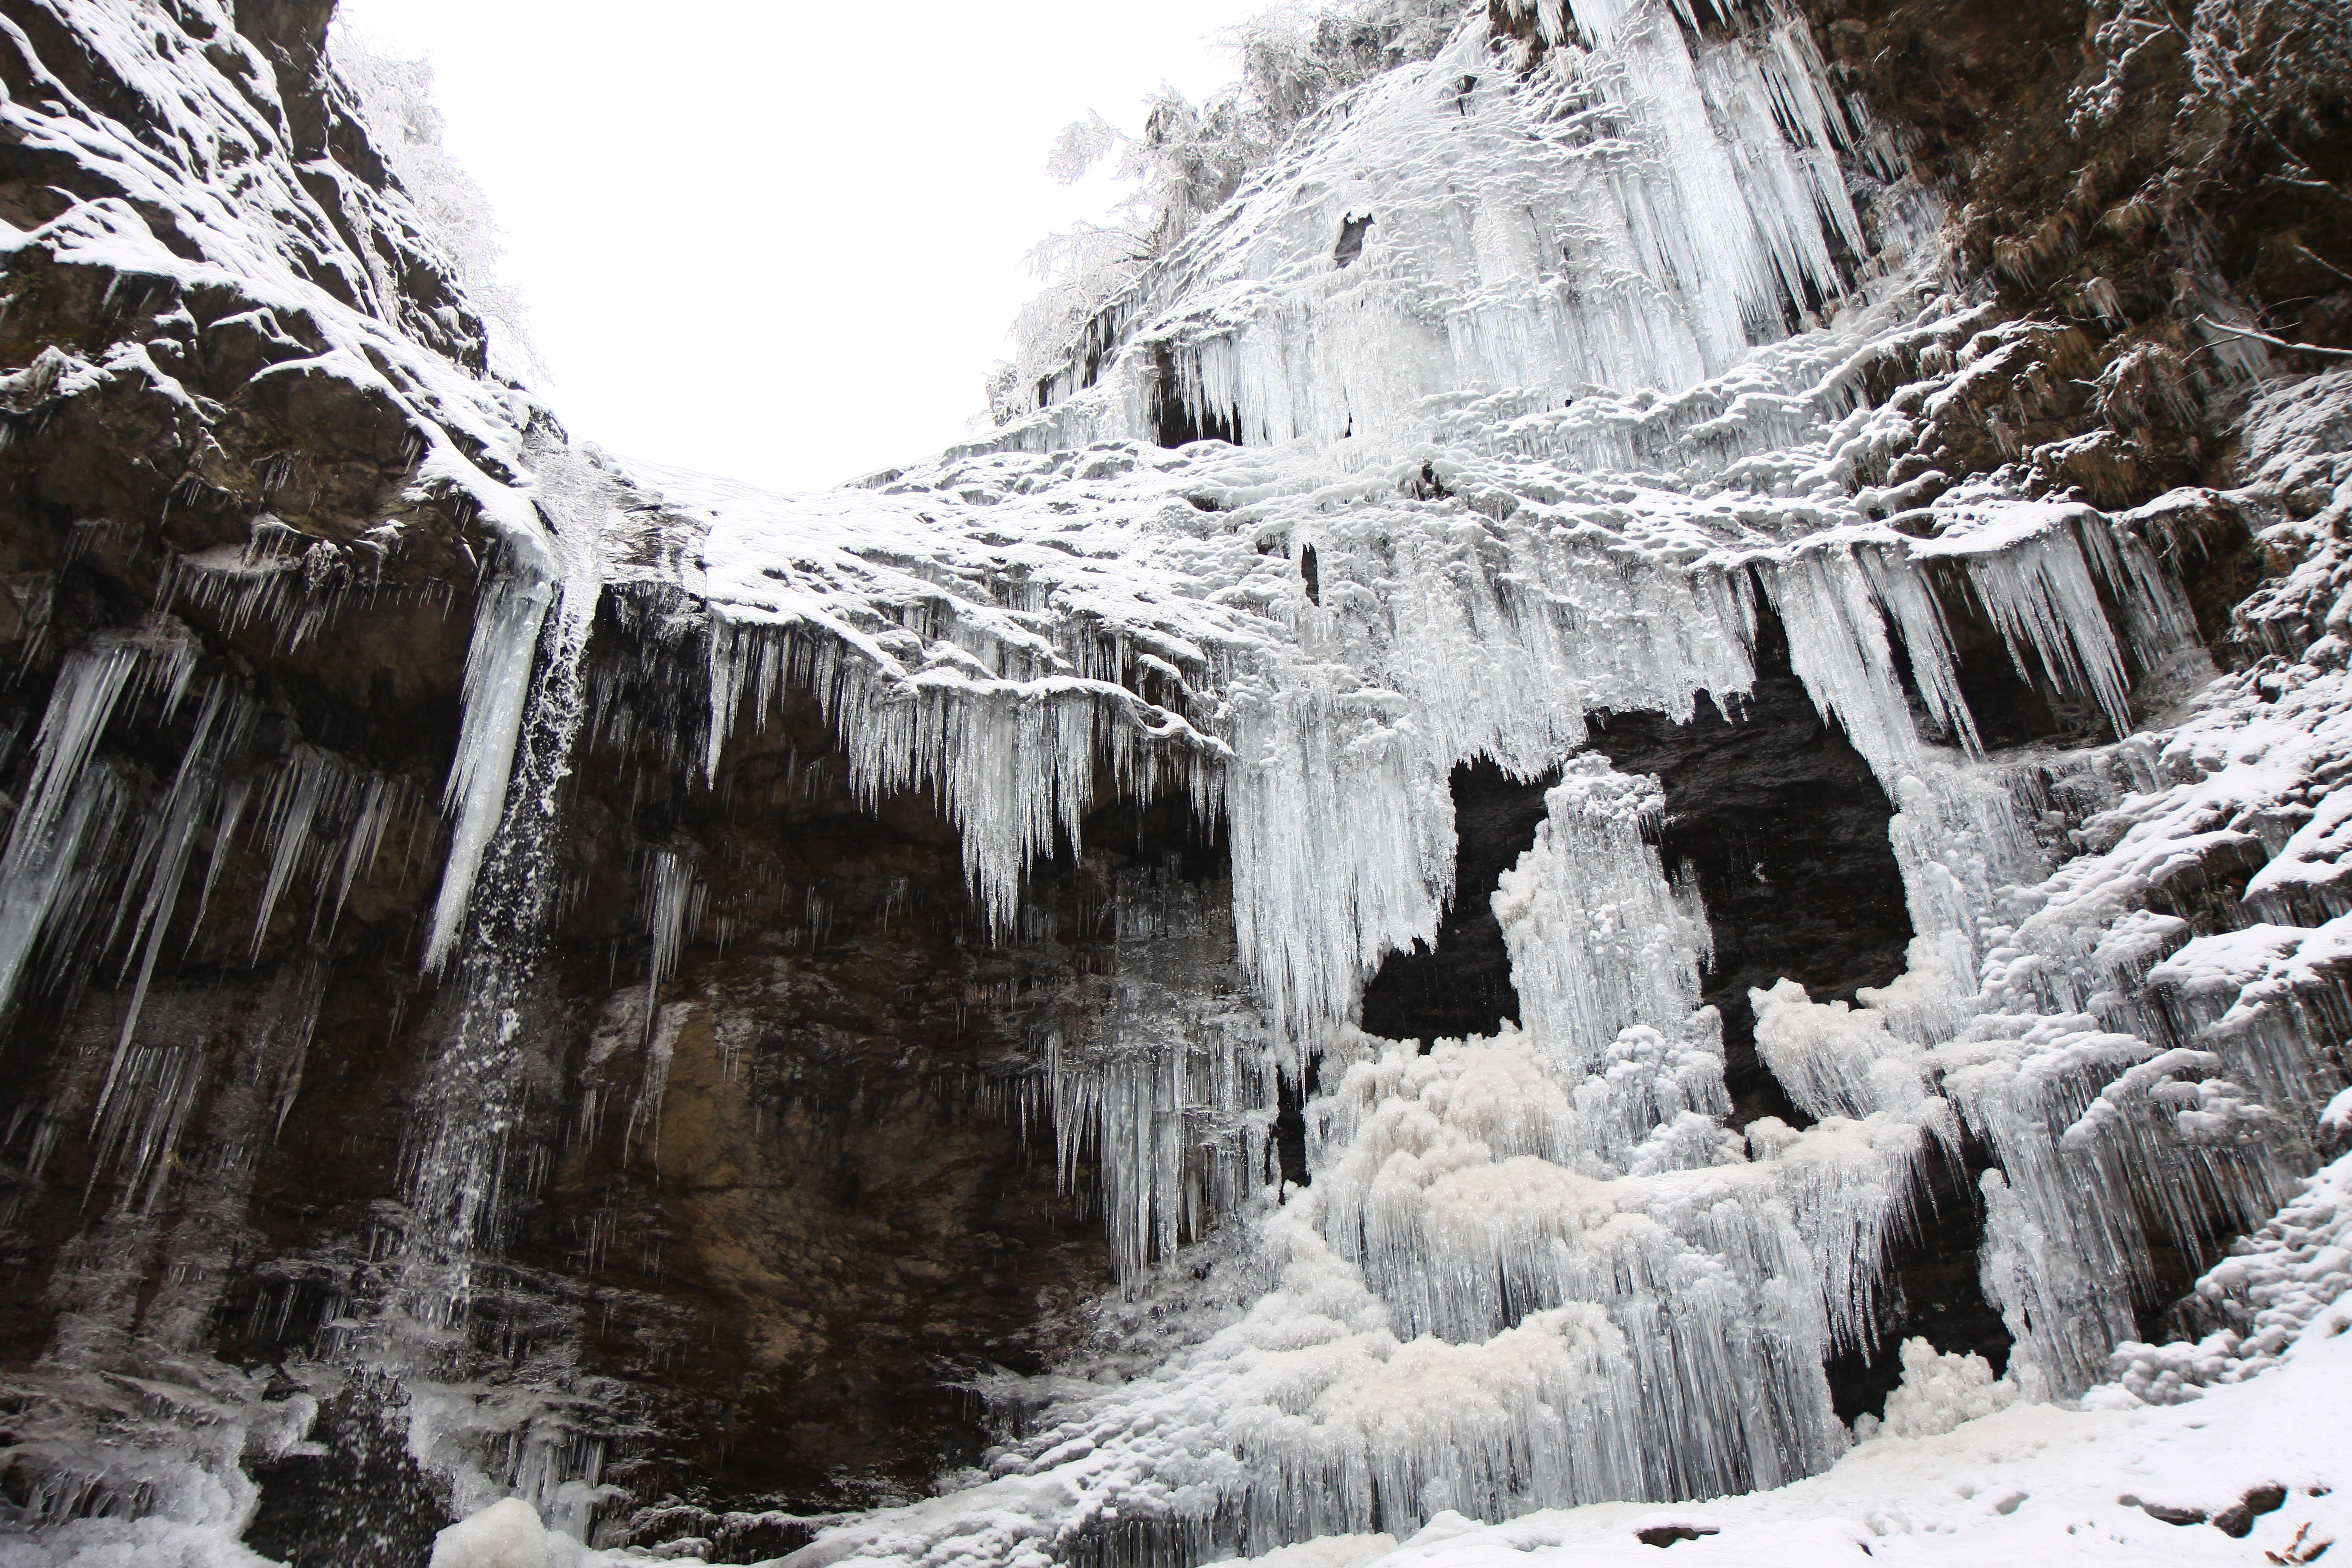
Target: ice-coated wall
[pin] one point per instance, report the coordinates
(1642, 329)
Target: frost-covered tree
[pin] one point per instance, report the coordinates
(1080, 267)
(1187, 160)
(395, 98)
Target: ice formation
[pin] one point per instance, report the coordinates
(1290, 541)
(1159, 1075)
(1938, 1392)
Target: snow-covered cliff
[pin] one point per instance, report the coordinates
(1067, 790)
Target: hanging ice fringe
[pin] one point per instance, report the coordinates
(1609, 387)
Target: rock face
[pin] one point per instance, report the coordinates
(785, 1217)
(816, 1191)
(2107, 187)
(784, 1178)
(778, 1243)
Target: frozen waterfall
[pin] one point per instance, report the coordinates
(1605, 415)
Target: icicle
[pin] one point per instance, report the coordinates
(287, 813)
(1634, 214)
(228, 812)
(1910, 598)
(2103, 1146)
(2039, 593)
(1012, 763)
(1956, 835)
(2262, 998)
(1452, 1187)
(2062, 1317)
(311, 801)
(498, 684)
(1160, 1076)
(1493, 641)
(1583, 1162)
(295, 582)
(659, 1040)
(670, 906)
(48, 837)
(2276, 1283)
(1852, 1184)
(380, 799)
(222, 726)
(1838, 648)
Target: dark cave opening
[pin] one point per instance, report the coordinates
(1775, 813)
(1463, 985)
(1785, 829)
(1352, 230)
(1934, 1288)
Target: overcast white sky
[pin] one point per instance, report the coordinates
(782, 241)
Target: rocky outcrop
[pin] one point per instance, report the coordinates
(2160, 191)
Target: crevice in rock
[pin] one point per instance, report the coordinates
(1290, 1125)
(1462, 986)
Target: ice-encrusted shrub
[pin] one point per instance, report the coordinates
(1939, 1390)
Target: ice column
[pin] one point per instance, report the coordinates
(1600, 940)
(1474, 1188)
(498, 687)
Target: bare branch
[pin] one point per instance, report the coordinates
(2309, 185)
(2320, 262)
(2276, 342)
(2202, 53)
